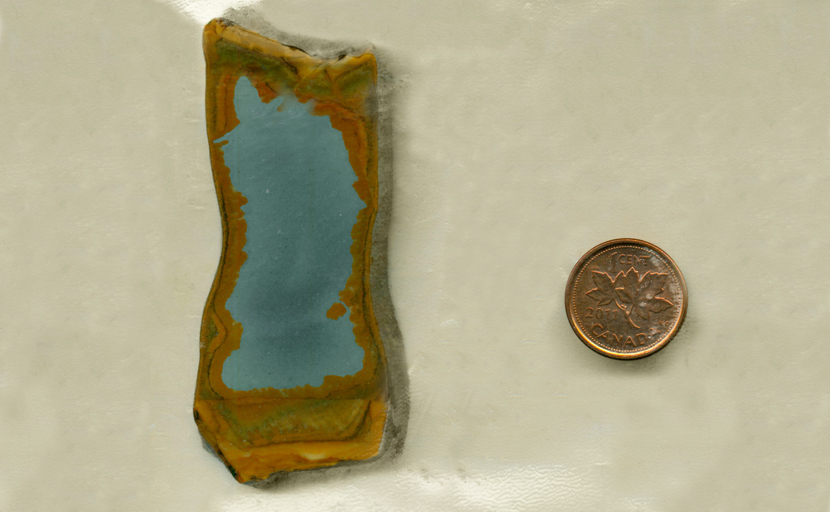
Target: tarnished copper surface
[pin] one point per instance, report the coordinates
(626, 298)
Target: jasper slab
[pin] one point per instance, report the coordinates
(292, 366)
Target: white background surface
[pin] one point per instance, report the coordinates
(526, 133)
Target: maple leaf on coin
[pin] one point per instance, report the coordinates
(632, 294)
(640, 295)
(605, 292)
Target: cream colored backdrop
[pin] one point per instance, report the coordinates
(525, 133)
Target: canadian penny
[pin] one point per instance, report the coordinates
(626, 298)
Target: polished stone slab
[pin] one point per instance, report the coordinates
(292, 368)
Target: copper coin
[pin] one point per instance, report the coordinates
(626, 298)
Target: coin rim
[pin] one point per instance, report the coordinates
(569, 288)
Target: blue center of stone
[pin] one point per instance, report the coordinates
(293, 167)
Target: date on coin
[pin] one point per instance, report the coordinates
(626, 298)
